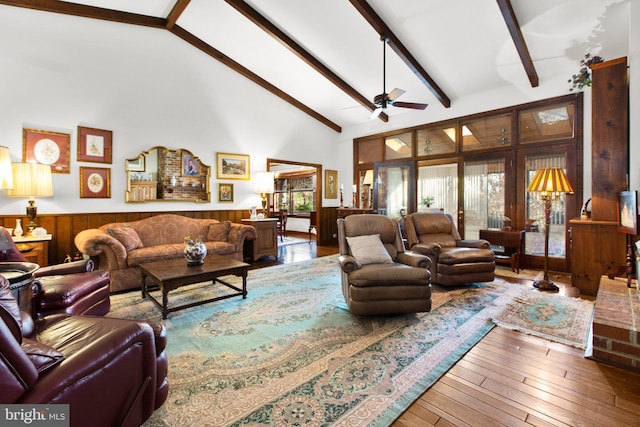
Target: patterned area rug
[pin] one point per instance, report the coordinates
(554, 317)
(291, 354)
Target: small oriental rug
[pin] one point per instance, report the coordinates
(292, 354)
(554, 317)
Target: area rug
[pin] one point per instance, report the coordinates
(554, 317)
(292, 354)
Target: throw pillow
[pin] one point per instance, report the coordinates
(369, 249)
(219, 231)
(127, 236)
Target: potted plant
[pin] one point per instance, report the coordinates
(427, 201)
(583, 78)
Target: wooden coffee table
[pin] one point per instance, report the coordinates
(171, 274)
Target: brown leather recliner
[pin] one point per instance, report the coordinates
(380, 277)
(111, 372)
(454, 261)
(73, 287)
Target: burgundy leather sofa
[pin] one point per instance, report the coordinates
(111, 372)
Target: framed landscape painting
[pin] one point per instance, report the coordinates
(233, 166)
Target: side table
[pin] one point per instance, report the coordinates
(266, 242)
(34, 248)
(513, 243)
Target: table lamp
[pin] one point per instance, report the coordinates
(549, 182)
(264, 184)
(6, 174)
(31, 180)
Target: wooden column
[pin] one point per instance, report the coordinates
(597, 248)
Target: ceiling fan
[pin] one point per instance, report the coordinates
(385, 99)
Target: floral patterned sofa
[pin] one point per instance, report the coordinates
(121, 247)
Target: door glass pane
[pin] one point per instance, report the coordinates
(534, 237)
(398, 146)
(393, 190)
(483, 196)
(488, 132)
(439, 184)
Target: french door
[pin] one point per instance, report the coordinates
(394, 188)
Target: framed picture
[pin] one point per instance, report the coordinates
(48, 148)
(232, 166)
(628, 212)
(95, 183)
(330, 184)
(225, 193)
(94, 145)
(190, 166)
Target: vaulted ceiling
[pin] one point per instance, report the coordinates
(326, 57)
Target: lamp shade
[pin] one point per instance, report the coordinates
(550, 180)
(6, 175)
(368, 178)
(31, 180)
(264, 182)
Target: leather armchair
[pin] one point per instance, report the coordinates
(111, 372)
(400, 285)
(454, 261)
(73, 287)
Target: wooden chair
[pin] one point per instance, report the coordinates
(312, 223)
(282, 224)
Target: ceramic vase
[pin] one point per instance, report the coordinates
(194, 251)
(17, 231)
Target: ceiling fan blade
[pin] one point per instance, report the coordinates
(414, 105)
(375, 113)
(395, 94)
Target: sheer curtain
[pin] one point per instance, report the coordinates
(441, 183)
(483, 196)
(534, 238)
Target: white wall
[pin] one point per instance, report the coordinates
(151, 89)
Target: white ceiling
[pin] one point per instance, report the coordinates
(464, 45)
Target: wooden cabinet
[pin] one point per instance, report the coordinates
(596, 249)
(266, 244)
(34, 248)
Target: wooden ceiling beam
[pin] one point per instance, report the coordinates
(518, 39)
(384, 31)
(293, 46)
(56, 6)
(175, 13)
(85, 11)
(216, 54)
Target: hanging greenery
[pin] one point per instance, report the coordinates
(583, 78)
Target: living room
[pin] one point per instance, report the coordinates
(151, 89)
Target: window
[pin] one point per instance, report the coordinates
(440, 183)
(488, 132)
(303, 195)
(484, 196)
(547, 123)
(398, 146)
(439, 140)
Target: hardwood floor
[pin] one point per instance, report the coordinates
(514, 379)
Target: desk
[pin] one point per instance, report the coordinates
(34, 248)
(513, 243)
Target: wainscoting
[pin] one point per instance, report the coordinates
(64, 227)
